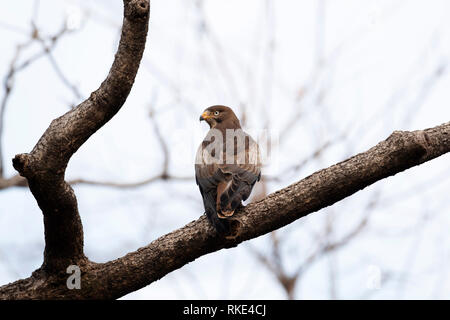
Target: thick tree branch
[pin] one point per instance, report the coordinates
(402, 150)
(44, 167)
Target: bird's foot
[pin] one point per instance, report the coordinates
(235, 229)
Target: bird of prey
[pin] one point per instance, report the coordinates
(227, 166)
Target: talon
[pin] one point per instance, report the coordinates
(235, 229)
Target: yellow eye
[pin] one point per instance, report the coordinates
(216, 113)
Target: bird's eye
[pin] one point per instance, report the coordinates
(216, 113)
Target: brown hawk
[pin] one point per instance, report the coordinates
(227, 166)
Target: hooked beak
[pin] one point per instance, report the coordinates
(205, 115)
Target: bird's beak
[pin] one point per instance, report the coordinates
(205, 115)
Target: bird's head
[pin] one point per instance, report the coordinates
(220, 116)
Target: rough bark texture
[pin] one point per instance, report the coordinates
(45, 165)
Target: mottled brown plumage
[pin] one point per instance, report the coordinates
(227, 165)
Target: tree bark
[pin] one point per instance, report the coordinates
(45, 165)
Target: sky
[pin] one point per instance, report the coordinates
(314, 72)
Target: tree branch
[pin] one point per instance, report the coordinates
(402, 150)
(14, 181)
(44, 167)
(126, 185)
